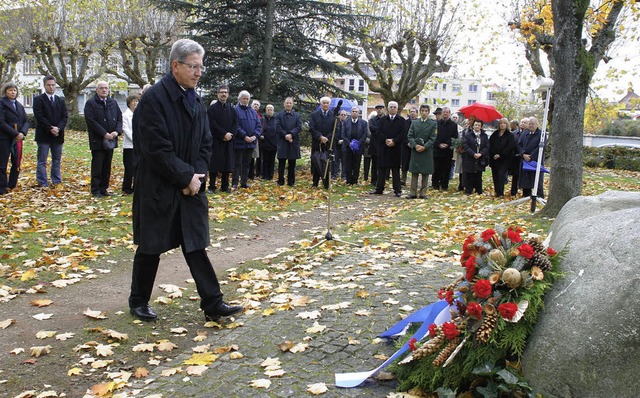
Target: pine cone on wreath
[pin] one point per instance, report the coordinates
(428, 348)
(538, 247)
(444, 354)
(486, 328)
(542, 261)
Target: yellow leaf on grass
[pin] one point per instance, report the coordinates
(362, 294)
(261, 383)
(222, 350)
(103, 363)
(140, 373)
(41, 302)
(142, 347)
(28, 275)
(275, 373)
(286, 346)
(6, 323)
(115, 335)
(268, 312)
(170, 372)
(40, 350)
(94, 314)
(205, 358)
(236, 355)
(196, 370)
(270, 362)
(165, 345)
(43, 334)
(179, 330)
(300, 347)
(316, 328)
(317, 389)
(64, 336)
(103, 350)
(103, 389)
(74, 372)
(17, 351)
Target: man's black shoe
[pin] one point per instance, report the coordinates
(96, 195)
(398, 194)
(411, 196)
(144, 313)
(105, 193)
(423, 197)
(221, 310)
(375, 193)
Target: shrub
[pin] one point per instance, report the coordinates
(76, 122)
(619, 158)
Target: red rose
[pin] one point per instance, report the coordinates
(433, 330)
(487, 234)
(412, 344)
(551, 252)
(482, 288)
(513, 233)
(465, 246)
(525, 250)
(450, 330)
(471, 273)
(475, 310)
(441, 294)
(508, 310)
(449, 297)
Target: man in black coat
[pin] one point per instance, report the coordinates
(442, 151)
(268, 143)
(172, 143)
(104, 123)
(374, 128)
(355, 129)
(50, 113)
(391, 137)
(529, 147)
(288, 127)
(321, 126)
(223, 122)
(406, 151)
(13, 128)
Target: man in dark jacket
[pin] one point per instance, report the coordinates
(268, 143)
(442, 151)
(13, 128)
(288, 127)
(172, 143)
(245, 140)
(223, 123)
(50, 113)
(321, 127)
(104, 123)
(390, 138)
(374, 128)
(355, 129)
(529, 147)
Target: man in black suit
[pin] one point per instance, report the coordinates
(104, 122)
(354, 129)
(223, 123)
(50, 113)
(13, 128)
(392, 136)
(321, 123)
(288, 127)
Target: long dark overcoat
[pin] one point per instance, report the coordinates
(288, 123)
(470, 147)
(504, 145)
(269, 138)
(320, 125)
(396, 130)
(101, 119)
(222, 120)
(172, 142)
(360, 133)
(10, 116)
(530, 144)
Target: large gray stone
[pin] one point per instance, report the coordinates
(587, 342)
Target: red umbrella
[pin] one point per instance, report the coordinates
(484, 112)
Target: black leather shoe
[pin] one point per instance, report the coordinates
(105, 193)
(424, 197)
(221, 310)
(375, 193)
(398, 194)
(411, 196)
(144, 313)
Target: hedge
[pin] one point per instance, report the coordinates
(619, 158)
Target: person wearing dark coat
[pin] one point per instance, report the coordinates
(51, 116)
(321, 126)
(516, 162)
(172, 143)
(13, 128)
(406, 151)
(528, 147)
(475, 156)
(223, 123)
(104, 123)
(268, 144)
(374, 128)
(502, 146)
(442, 151)
(355, 129)
(392, 135)
(245, 139)
(288, 127)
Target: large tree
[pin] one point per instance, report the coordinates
(273, 48)
(401, 45)
(575, 36)
(141, 37)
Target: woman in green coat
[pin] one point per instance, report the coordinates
(421, 136)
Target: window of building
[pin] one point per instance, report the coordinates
(455, 102)
(361, 85)
(28, 101)
(352, 84)
(444, 86)
(473, 88)
(161, 66)
(455, 87)
(435, 101)
(435, 86)
(413, 101)
(471, 102)
(491, 96)
(29, 66)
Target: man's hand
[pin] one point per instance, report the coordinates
(526, 157)
(443, 146)
(194, 185)
(20, 137)
(477, 155)
(420, 148)
(288, 137)
(55, 131)
(323, 139)
(228, 136)
(390, 143)
(496, 156)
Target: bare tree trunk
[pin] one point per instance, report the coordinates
(267, 54)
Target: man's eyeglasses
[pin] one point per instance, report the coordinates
(194, 67)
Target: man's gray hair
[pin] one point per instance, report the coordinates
(244, 93)
(325, 99)
(182, 48)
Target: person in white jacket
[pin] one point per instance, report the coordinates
(127, 147)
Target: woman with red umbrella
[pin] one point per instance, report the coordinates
(13, 129)
(475, 156)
